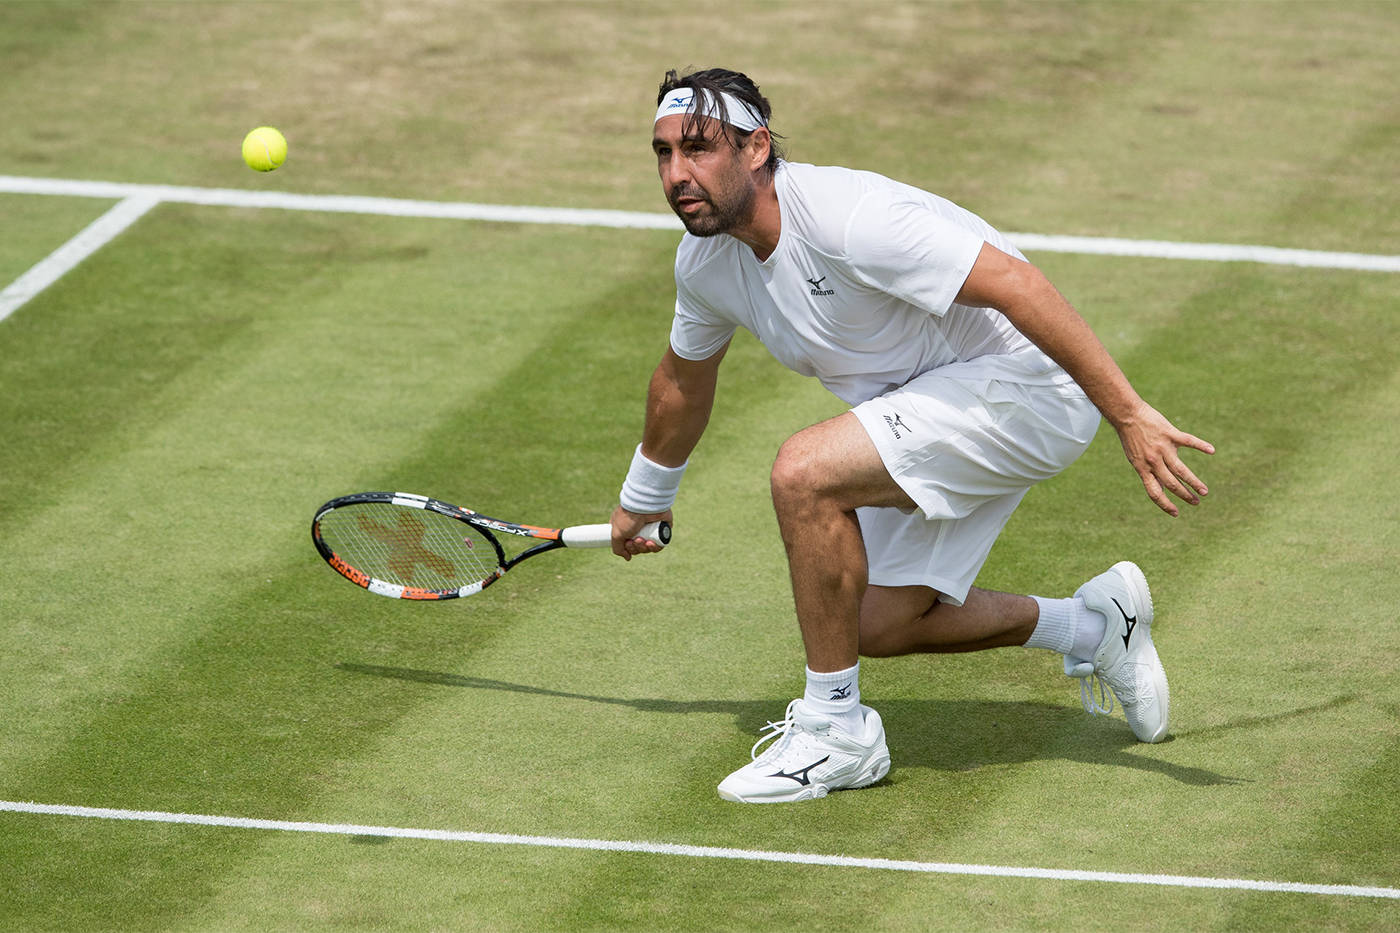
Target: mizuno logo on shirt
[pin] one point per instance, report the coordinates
(817, 287)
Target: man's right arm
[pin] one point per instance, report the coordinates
(679, 400)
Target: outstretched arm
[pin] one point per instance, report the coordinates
(1152, 443)
(679, 400)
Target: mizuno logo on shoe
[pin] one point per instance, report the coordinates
(800, 775)
(1129, 622)
(841, 693)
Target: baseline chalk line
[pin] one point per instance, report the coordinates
(229, 197)
(692, 851)
(134, 200)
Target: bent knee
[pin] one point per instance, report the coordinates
(798, 470)
(891, 618)
(875, 642)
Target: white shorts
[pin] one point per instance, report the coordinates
(966, 450)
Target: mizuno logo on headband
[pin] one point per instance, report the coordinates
(732, 110)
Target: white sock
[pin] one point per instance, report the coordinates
(1068, 627)
(837, 695)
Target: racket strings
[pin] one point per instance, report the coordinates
(410, 547)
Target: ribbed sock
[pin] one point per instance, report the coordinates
(1068, 627)
(837, 695)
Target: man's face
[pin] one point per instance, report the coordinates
(703, 176)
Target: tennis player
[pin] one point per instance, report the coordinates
(970, 378)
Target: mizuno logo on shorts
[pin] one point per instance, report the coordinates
(896, 425)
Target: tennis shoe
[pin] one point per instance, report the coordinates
(809, 758)
(1126, 660)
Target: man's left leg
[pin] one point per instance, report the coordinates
(897, 620)
(1103, 631)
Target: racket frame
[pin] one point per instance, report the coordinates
(550, 539)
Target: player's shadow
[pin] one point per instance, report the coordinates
(947, 735)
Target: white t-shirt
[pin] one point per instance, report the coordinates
(859, 291)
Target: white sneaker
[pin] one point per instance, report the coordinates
(810, 758)
(1126, 660)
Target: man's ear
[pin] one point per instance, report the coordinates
(760, 145)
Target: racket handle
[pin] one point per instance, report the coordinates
(601, 535)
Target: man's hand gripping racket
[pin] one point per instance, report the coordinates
(407, 546)
(634, 534)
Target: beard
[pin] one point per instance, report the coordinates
(719, 213)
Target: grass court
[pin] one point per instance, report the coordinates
(176, 404)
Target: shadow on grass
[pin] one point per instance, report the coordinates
(1254, 722)
(946, 735)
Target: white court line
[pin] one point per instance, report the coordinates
(672, 849)
(334, 203)
(1209, 252)
(58, 263)
(227, 197)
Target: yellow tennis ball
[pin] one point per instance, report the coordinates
(264, 149)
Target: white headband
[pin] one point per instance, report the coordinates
(736, 113)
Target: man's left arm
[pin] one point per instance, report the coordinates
(1037, 309)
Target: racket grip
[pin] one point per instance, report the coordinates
(601, 535)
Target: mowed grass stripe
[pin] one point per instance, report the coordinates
(213, 683)
(1252, 584)
(1313, 724)
(237, 419)
(1317, 577)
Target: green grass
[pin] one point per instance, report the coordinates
(176, 407)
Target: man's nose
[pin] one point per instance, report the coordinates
(674, 170)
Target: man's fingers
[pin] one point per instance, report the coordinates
(1190, 440)
(1184, 472)
(1173, 484)
(1160, 478)
(627, 541)
(1156, 494)
(1154, 449)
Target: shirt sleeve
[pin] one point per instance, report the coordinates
(909, 250)
(697, 331)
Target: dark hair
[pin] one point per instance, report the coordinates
(707, 85)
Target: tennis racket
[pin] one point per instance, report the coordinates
(406, 546)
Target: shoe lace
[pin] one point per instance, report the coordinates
(774, 730)
(1094, 692)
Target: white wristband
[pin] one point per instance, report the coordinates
(650, 488)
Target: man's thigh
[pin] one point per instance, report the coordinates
(838, 459)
